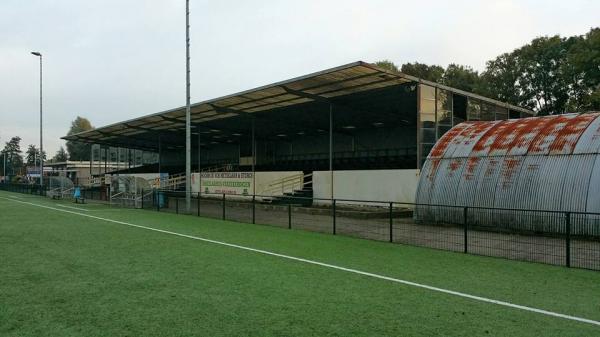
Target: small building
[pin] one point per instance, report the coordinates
(80, 172)
(520, 168)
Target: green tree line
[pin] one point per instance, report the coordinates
(550, 74)
(14, 162)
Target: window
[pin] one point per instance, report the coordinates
(501, 113)
(427, 120)
(459, 108)
(514, 114)
(488, 111)
(473, 109)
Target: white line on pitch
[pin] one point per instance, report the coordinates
(327, 265)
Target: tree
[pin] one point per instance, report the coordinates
(500, 80)
(542, 78)
(32, 155)
(387, 65)
(549, 75)
(532, 76)
(432, 73)
(12, 151)
(79, 150)
(60, 156)
(583, 69)
(461, 77)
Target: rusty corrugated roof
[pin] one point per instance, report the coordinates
(536, 163)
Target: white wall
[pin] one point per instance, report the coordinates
(372, 185)
(263, 179)
(376, 185)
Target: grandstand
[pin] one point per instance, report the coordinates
(355, 131)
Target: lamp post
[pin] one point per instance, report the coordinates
(41, 142)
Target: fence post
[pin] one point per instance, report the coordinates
(198, 204)
(223, 216)
(142, 198)
(157, 195)
(568, 238)
(391, 223)
(176, 205)
(289, 216)
(333, 211)
(253, 208)
(466, 229)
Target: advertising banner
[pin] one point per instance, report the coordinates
(232, 183)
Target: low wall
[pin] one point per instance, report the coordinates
(372, 185)
(376, 185)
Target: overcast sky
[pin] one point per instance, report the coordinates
(110, 60)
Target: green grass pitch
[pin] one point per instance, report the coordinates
(63, 274)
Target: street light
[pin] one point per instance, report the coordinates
(41, 142)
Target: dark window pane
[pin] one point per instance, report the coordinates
(443, 129)
(459, 107)
(428, 136)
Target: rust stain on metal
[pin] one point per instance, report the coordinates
(455, 165)
(569, 135)
(477, 129)
(435, 164)
(556, 134)
(510, 164)
(442, 144)
(547, 134)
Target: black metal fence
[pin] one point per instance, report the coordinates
(24, 188)
(569, 239)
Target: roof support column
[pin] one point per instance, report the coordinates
(159, 156)
(253, 158)
(199, 163)
(331, 148)
(91, 160)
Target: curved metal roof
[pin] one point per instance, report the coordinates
(320, 86)
(536, 163)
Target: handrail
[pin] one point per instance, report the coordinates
(116, 194)
(288, 184)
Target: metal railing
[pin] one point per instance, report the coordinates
(288, 184)
(25, 188)
(565, 238)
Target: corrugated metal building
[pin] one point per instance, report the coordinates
(536, 163)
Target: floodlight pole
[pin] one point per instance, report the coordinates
(331, 148)
(188, 119)
(41, 141)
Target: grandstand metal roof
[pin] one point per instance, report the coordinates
(324, 85)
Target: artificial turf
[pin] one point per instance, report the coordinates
(62, 274)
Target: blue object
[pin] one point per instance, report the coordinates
(77, 193)
(161, 199)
